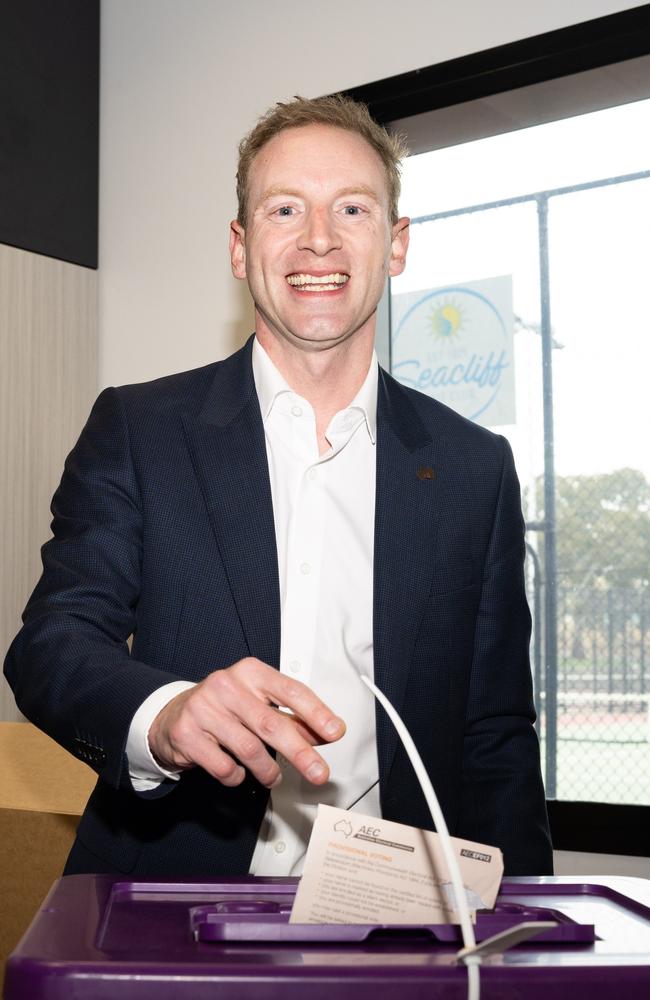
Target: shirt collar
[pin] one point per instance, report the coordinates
(269, 384)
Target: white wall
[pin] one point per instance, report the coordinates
(181, 83)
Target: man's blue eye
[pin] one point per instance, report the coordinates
(285, 210)
(352, 210)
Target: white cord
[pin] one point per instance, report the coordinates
(473, 963)
(462, 909)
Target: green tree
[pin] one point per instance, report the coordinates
(603, 529)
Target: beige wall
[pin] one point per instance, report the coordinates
(48, 379)
(181, 82)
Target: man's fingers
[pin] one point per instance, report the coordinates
(219, 764)
(204, 733)
(279, 730)
(184, 743)
(314, 739)
(249, 751)
(259, 725)
(301, 700)
(232, 714)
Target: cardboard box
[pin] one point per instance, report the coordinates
(43, 791)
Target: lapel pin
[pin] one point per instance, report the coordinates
(426, 472)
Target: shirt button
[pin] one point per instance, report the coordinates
(312, 474)
(280, 847)
(305, 569)
(297, 411)
(294, 666)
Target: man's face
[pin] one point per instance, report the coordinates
(318, 242)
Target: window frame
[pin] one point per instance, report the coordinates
(603, 41)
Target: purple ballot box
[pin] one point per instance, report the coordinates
(105, 938)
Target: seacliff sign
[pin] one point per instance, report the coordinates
(455, 344)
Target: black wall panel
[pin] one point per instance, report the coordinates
(49, 127)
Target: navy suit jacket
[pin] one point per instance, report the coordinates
(163, 530)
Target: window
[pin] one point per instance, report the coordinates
(468, 329)
(524, 307)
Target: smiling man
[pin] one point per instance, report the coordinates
(268, 529)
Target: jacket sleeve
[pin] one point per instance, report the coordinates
(502, 792)
(70, 666)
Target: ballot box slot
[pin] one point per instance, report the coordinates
(241, 913)
(267, 921)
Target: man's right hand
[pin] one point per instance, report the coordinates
(232, 714)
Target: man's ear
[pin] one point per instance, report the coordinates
(238, 250)
(399, 246)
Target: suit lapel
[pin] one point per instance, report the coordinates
(226, 442)
(408, 465)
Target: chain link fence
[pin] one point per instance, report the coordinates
(601, 662)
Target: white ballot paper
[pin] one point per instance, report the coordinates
(363, 870)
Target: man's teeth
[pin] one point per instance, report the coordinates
(318, 283)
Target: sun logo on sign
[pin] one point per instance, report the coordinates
(446, 321)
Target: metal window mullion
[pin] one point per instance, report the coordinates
(550, 550)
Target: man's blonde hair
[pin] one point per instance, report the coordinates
(338, 111)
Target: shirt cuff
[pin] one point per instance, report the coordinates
(144, 772)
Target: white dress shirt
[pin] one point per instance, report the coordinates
(324, 514)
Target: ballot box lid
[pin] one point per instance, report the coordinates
(101, 937)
